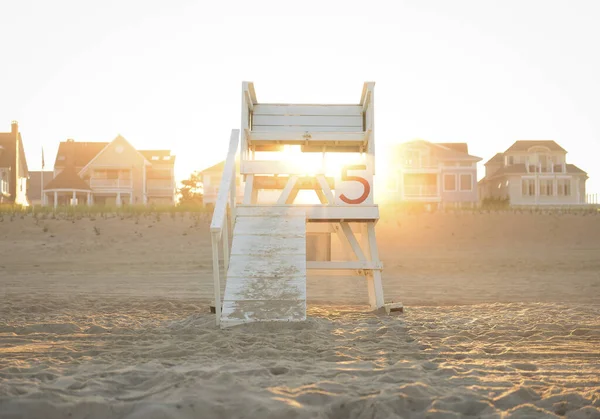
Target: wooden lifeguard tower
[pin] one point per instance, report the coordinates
(267, 263)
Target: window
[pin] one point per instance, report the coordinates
(449, 182)
(546, 187)
(528, 187)
(564, 187)
(510, 160)
(466, 182)
(166, 157)
(155, 158)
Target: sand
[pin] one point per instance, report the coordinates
(108, 318)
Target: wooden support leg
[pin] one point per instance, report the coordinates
(249, 190)
(374, 284)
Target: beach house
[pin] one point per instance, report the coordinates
(533, 173)
(13, 167)
(211, 180)
(436, 174)
(110, 173)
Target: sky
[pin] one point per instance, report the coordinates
(168, 74)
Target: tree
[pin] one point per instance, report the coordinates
(190, 192)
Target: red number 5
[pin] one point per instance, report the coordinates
(365, 183)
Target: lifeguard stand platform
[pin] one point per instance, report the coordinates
(267, 263)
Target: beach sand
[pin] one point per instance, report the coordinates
(108, 318)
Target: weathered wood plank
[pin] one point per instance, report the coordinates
(350, 265)
(298, 137)
(269, 265)
(296, 109)
(310, 120)
(285, 288)
(285, 245)
(288, 226)
(237, 312)
(317, 212)
(305, 128)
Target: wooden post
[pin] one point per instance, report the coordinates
(217, 284)
(375, 287)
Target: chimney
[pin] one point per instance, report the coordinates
(14, 127)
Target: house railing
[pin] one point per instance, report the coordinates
(425, 164)
(219, 226)
(159, 186)
(420, 191)
(110, 183)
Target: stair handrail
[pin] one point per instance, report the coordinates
(219, 226)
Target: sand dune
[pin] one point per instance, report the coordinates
(108, 318)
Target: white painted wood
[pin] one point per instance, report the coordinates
(225, 241)
(314, 109)
(217, 283)
(219, 213)
(285, 245)
(353, 189)
(346, 265)
(270, 265)
(266, 279)
(299, 137)
(257, 289)
(285, 194)
(288, 226)
(248, 187)
(326, 189)
(305, 128)
(239, 312)
(310, 120)
(272, 167)
(320, 212)
(374, 282)
(349, 234)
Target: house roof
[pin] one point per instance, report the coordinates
(460, 147)
(521, 169)
(498, 158)
(77, 153)
(444, 152)
(160, 157)
(525, 145)
(34, 183)
(219, 167)
(571, 168)
(68, 179)
(7, 152)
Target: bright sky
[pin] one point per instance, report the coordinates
(167, 74)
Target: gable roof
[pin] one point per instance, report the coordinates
(7, 151)
(219, 167)
(445, 151)
(34, 183)
(521, 169)
(460, 147)
(498, 158)
(120, 138)
(525, 145)
(77, 153)
(68, 179)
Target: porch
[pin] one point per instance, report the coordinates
(421, 187)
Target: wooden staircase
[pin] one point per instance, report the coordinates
(266, 277)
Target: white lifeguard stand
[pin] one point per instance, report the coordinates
(279, 145)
